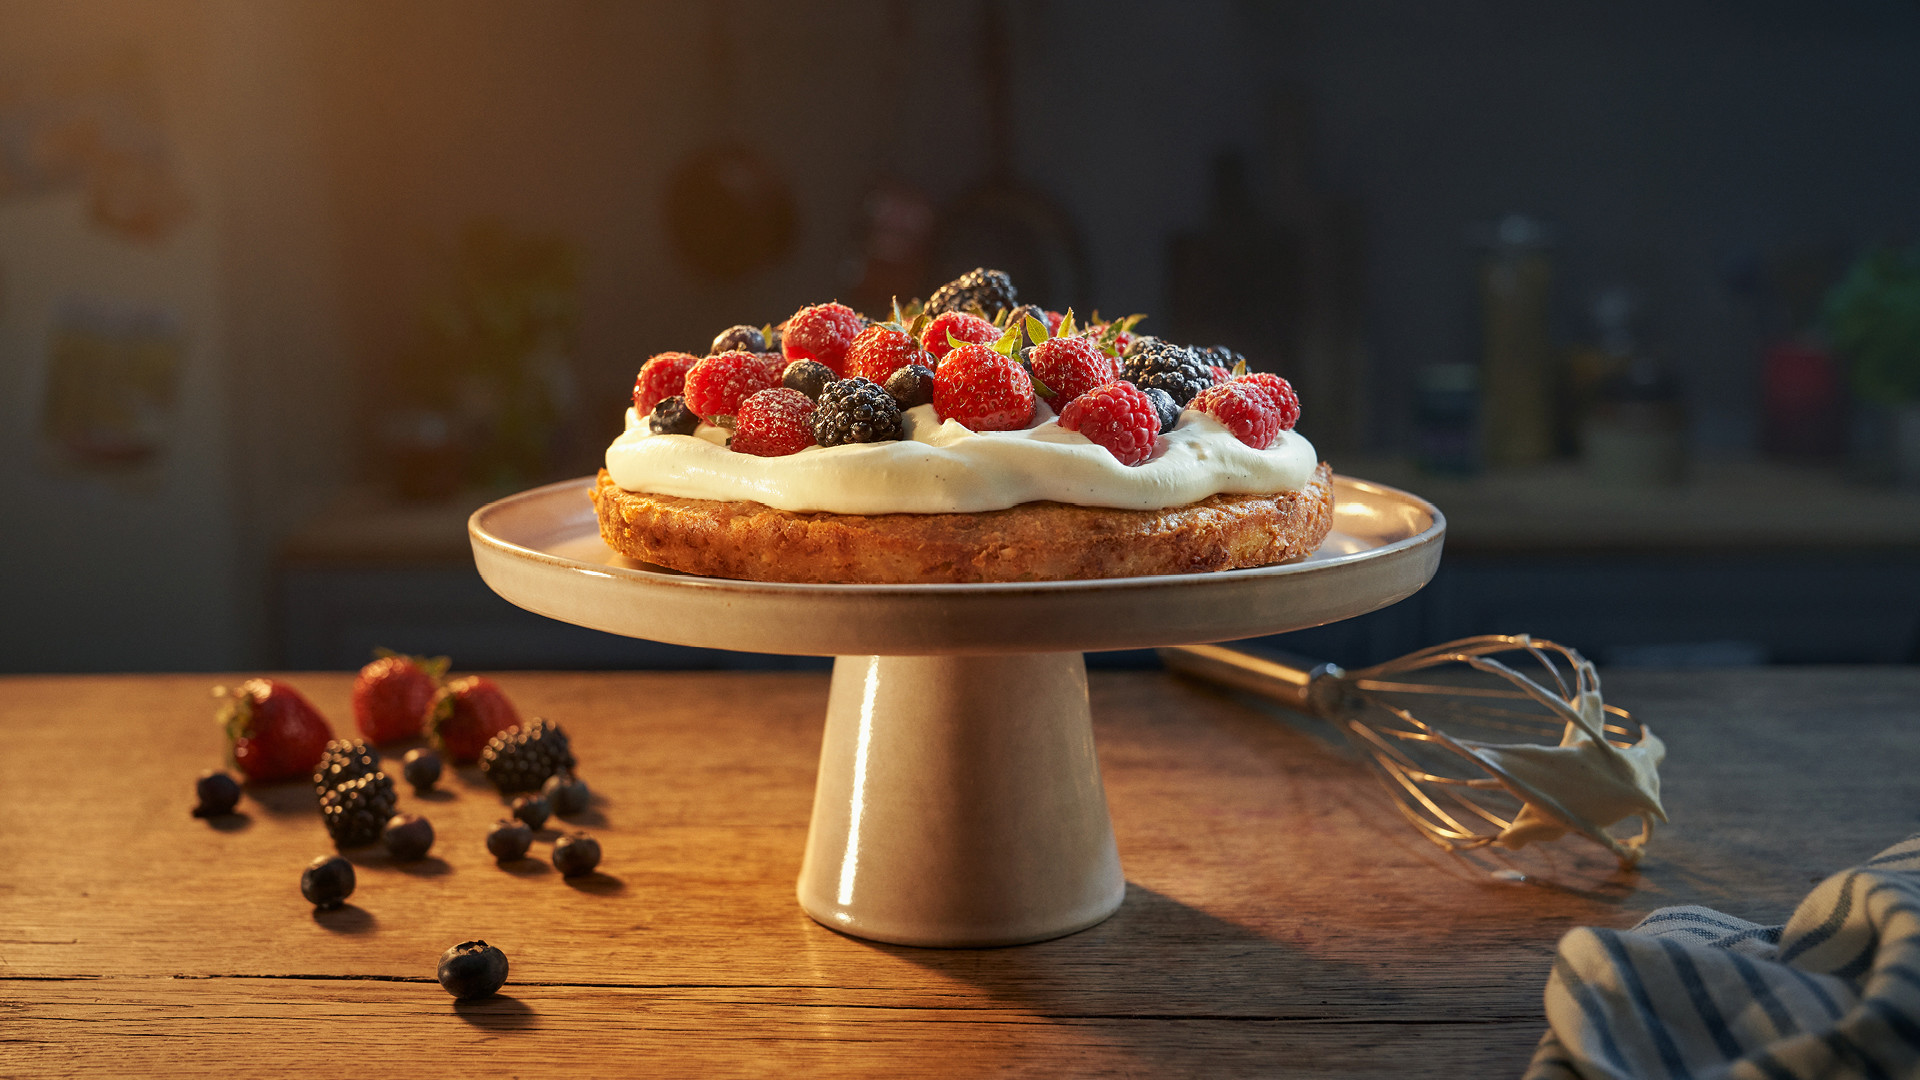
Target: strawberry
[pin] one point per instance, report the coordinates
(1118, 416)
(273, 733)
(774, 423)
(822, 332)
(961, 325)
(465, 714)
(1071, 366)
(391, 695)
(1245, 408)
(718, 384)
(983, 390)
(661, 378)
(881, 350)
(1280, 392)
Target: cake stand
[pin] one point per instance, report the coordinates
(959, 800)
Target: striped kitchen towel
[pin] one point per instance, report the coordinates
(1693, 993)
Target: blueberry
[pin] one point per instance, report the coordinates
(1164, 407)
(327, 881)
(218, 794)
(672, 417)
(472, 969)
(407, 836)
(911, 385)
(531, 809)
(807, 376)
(566, 793)
(741, 338)
(575, 855)
(509, 840)
(421, 768)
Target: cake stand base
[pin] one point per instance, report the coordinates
(959, 803)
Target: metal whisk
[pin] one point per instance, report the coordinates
(1439, 727)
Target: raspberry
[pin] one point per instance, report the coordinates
(961, 325)
(718, 384)
(989, 291)
(855, 411)
(1117, 416)
(1280, 392)
(1070, 366)
(983, 390)
(661, 378)
(1219, 373)
(1245, 409)
(774, 423)
(881, 350)
(822, 332)
(1151, 362)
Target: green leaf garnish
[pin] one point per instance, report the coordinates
(1066, 324)
(1036, 330)
(1008, 342)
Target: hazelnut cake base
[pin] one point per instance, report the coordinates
(1039, 541)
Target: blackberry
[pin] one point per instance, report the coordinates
(855, 411)
(1163, 407)
(991, 291)
(807, 376)
(531, 809)
(1152, 364)
(522, 757)
(421, 768)
(407, 836)
(672, 417)
(509, 840)
(911, 385)
(1019, 316)
(576, 855)
(472, 969)
(344, 760)
(739, 338)
(218, 794)
(355, 811)
(1218, 355)
(327, 881)
(566, 793)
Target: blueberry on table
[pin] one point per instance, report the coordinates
(576, 855)
(509, 840)
(407, 836)
(327, 881)
(566, 793)
(472, 969)
(421, 768)
(531, 809)
(218, 794)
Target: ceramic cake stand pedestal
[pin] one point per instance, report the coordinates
(959, 800)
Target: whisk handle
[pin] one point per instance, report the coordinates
(1289, 680)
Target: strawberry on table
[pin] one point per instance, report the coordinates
(983, 390)
(392, 694)
(465, 714)
(273, 733)
(822, 332)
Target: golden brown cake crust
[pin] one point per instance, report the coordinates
(1041, 541)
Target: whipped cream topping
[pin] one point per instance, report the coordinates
(946, 468)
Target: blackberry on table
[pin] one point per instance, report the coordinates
(911, 385)
(356, 811)
(1153, 364)
(807, 376)
(738, 338)
(855, 411)
(522, 757)
(991, 291)
(672, 417)
(1163, 407)
(344, 760)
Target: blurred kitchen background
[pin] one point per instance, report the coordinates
(287, 289)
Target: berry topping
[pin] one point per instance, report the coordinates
(421, 767)
(1070, 366)
(988, 291)
(566, 793)
(983, 390)
(1117, 416)
(807, 376)
(939, 334)
(822, 332)
(911, 385)
(356, 811)
(509, 840)
(672, 417)
(1219, 356)
(327, 881)
(531, 809)
(1163, 407)
(1246, 410)
(576, 855)
(718, 384)
(1219, 373)
(1280, 392)
(660, 378)
(466, 714)
(739, 338)
(1155, 363)
(472, 969)
(391, 695)
(218, 794)
(855, 411)
(407, 837)
(521, 758)
(774, 423)
(344, 760)
(272, 732)
(881, 350)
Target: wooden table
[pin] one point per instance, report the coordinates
(1280, 919)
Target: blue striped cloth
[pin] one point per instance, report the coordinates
(1693, 993)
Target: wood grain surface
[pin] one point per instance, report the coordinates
(1280, 918)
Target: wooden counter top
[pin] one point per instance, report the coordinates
(1280, 918)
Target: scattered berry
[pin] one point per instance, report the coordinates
(661, 378)
(1279, 392)
(990, 291)
(217, 793)
(391, 695)
(911, 386)
(421, 767)
(327, 881)
(521, 758)
(566, 793)
(1152, 363)
(509, 840)
(983, 390)
(1117, 416)
(576, 855)
(1071, 366)
(272, 732)
(344, 760)
(1163, 407)
(407, 837)
(531, 809)
(738, 338)
(355, 812)
(855, 411)
(807, 376)
(672, 417)
(472, 969)
(466, 713)
(718, 384)
(773, 423)
(1245, 409)
(881, 350)
(960, 325)
(822, 332)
